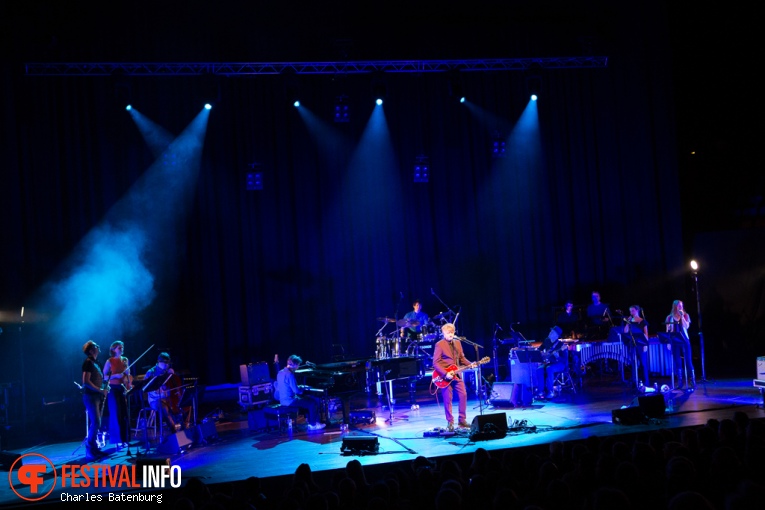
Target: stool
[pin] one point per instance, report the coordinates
(280, 414)
(147, 418)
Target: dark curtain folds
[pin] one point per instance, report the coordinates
(586, 198)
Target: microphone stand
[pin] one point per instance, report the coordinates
(478, 377)
(494, 351)
(451, 312)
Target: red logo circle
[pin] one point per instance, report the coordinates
(31, 475)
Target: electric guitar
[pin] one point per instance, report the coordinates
(443, 382)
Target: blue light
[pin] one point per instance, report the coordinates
(296, 104)
(208, 106)
(462, 99)
(129, 107)
(533, 97)
(379, 102)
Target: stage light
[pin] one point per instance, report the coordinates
(694, 265)
(208, 106)
(296, 104)
(462, 99)
(421, 169)
(534, 81)
(379, 88)
(342, 109)
(129, 107)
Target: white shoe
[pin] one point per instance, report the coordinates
(316, 426)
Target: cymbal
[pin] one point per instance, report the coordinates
(386, 319)
(407, 323)
(444, 315)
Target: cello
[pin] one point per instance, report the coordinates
(171, 392)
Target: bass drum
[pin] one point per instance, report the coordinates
(431, 333)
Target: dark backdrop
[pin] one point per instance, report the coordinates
(341, 235)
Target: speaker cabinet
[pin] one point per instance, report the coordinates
(508, 394)
(360, 445)
(488, 426)
(205, 431)
(174, 443)
(653, 406)
(628, 416)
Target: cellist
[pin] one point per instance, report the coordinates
(159, 400)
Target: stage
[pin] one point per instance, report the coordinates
(240, 447)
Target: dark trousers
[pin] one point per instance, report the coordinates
(682, 346)
(118, 416)
(92, 403)
(311, 404)
(456, 386)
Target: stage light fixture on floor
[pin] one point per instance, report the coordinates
(421, 169)
(342, 111)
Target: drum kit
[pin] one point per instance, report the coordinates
(393, 345)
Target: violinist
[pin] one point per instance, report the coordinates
(161, 399)
(117, 372)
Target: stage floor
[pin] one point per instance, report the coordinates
(404, 433)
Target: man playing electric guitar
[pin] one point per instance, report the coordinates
(448, 356)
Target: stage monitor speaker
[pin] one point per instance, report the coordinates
(204, 431)
(360, 445)
(628, 416)
(506, 394)
(8, 458)
(174, 443)
(488, 426)
(653, 406)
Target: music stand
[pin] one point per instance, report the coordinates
(189, 398)
(630, 340)
(529, 356)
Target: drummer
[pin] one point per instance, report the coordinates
(412, 323)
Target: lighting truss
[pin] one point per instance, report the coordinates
(357, 67)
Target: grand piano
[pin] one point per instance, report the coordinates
(344, 379)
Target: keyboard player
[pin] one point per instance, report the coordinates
(289, 394)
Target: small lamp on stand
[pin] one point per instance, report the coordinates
(695, 269)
